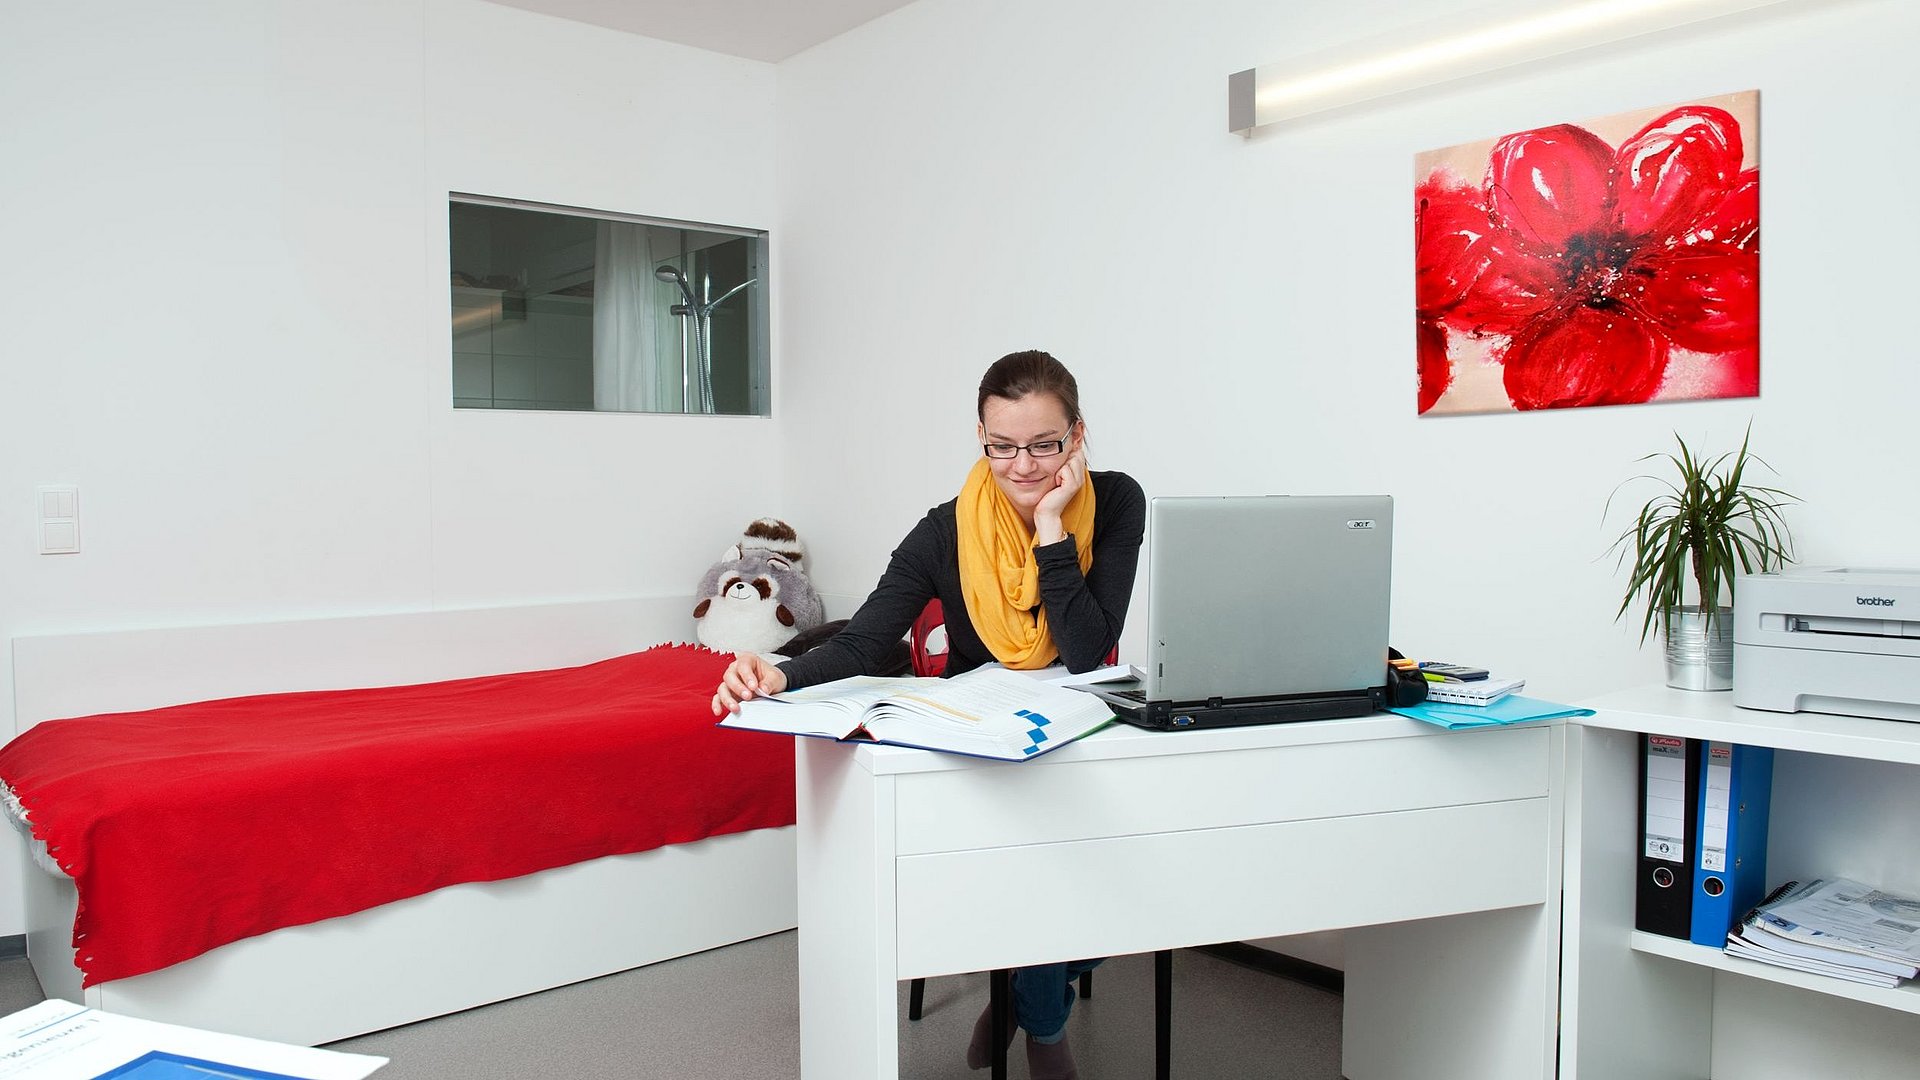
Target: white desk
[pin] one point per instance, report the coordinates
(916, 864)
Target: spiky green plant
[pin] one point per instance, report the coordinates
(1708, 525)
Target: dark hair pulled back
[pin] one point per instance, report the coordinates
(1016, 375)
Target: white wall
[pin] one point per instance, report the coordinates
(225, 278)
(225, 271)
(968, 177)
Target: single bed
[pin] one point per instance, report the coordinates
(449, 949)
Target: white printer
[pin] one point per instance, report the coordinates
(1828, 639)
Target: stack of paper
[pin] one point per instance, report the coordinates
(1833, 926)
(1478, 692)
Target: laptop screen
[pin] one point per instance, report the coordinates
(1252, 597)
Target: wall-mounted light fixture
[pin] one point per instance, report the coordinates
(1469, 44)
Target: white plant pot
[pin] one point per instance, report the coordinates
(1696, 658)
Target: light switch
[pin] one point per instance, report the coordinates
(59, 519)
(59, 538)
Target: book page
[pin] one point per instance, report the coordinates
(829, 710)
(991, 712)
(1058, 675)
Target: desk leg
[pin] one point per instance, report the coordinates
(848, 992)
(1467, 997)
(1163, 1014)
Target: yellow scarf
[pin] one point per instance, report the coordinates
(998, 575)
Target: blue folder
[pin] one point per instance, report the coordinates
(1512, 709)
(161, 1065)
(1730, 856)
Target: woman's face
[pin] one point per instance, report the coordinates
(1036, 418)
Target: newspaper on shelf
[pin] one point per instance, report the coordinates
(1749, 947)
(1847, 916)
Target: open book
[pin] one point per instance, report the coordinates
(988, 712)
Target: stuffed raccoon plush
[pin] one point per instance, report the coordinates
(754, 601)
(775, 537)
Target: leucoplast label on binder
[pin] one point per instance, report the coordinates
(1666, 810)
(1719, 788)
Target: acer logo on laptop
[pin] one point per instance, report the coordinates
(1362, 523)
(1873, 601)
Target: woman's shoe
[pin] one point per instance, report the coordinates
(1051, 1061)
(980, 1047)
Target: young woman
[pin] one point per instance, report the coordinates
(1032, 564)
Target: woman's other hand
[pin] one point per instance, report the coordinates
(1067, 481)
(748, 677)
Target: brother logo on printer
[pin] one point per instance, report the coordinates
(1873, 601)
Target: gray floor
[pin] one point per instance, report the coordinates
(732, 1014)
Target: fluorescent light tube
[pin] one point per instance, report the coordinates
(1454, 49)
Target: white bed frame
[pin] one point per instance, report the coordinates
(452, 949)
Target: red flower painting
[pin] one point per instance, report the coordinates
(1591, 273)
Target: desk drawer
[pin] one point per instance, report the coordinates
(1141, 893)
(1049, 801)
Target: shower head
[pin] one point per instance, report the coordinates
(673, 274)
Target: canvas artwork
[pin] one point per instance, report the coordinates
(1605, 262)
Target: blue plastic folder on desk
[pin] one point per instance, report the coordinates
(1512, 709)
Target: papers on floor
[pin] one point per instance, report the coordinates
(58, 1040)
(1834, 926)
(988, 712)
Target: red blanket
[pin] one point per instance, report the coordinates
(189, 827)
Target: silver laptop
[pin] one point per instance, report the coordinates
(1262, 609)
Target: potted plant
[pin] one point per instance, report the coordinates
(1709, 525)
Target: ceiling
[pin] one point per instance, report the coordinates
(769, 30)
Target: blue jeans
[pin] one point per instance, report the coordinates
(1043, 996)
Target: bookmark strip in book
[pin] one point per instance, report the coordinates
(1037, 733)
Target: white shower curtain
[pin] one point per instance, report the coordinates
(627, 374)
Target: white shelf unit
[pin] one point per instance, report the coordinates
(1846, 802)
(1902, 998)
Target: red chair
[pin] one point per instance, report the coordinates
(928, 639)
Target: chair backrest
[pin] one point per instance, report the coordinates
(928, 639)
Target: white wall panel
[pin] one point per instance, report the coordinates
(226, 281)
(964, 178)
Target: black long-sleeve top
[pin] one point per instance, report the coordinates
(1085, 612)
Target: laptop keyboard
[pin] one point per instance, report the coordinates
(1131, 695)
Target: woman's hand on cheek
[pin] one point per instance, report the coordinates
(1067, 481)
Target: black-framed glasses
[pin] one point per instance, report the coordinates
(1045, 448)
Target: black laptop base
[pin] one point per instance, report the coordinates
(1178, 716)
